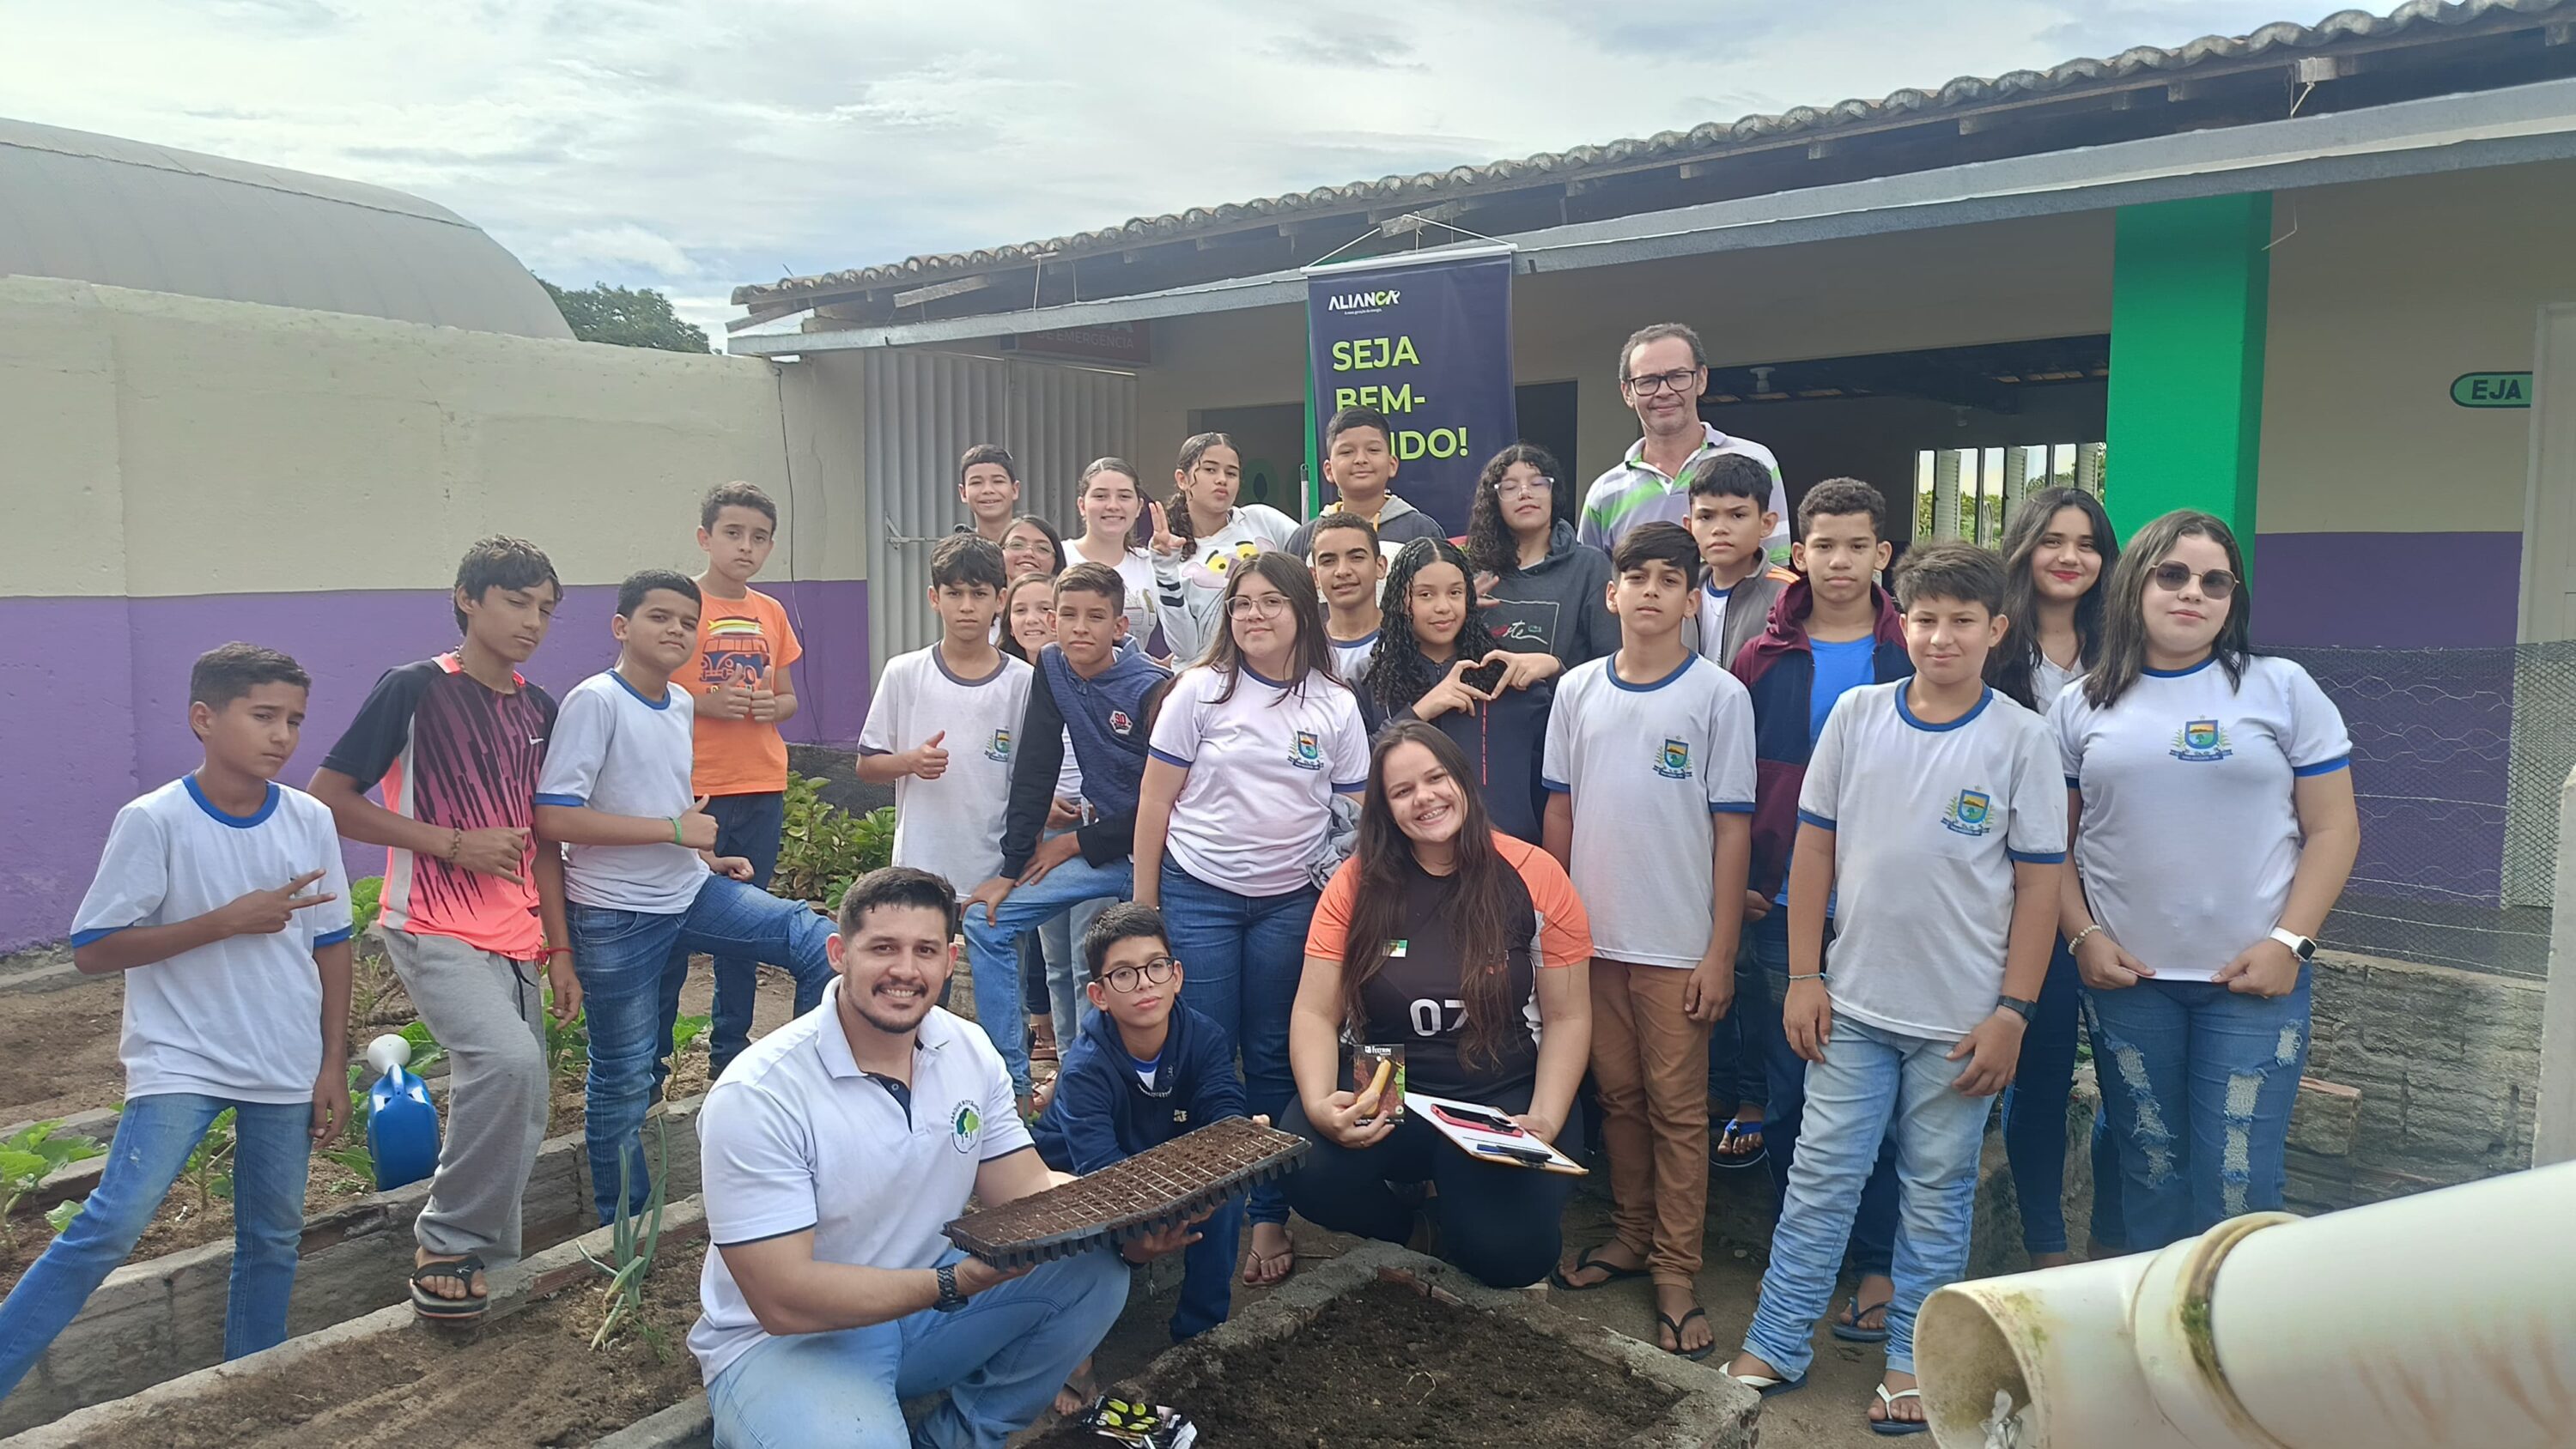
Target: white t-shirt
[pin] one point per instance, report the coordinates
(795, 1136)
(2189, 836)
(2048, 679)
(951, 826)
(1647, 765)
(1263, 767)
(1712, 625)
(239, 1018)
(1068, 776)
(1928, 823)
(1352, 657)
(619, 753)
(1192, 587)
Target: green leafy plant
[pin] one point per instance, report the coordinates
(210, 1168)
(59, 1216)
(28, 1157)
(425, 1050)
(634, 1239)
(686, 1030)
(567, 1042)
(366, 898)
(822, 848)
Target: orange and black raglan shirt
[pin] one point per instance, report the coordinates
(453, 753)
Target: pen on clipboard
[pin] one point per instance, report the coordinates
(1516, 1154)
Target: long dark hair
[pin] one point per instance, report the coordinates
(2124, 622)
(1400, 673)
(1010, 642)
(1313, 651)
(2013, 668)
(1476, 904)
(1489, 538)
(1176, 517)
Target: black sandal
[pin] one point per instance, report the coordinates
(1693, 1354)
(1589, 1260)
(430, 1304)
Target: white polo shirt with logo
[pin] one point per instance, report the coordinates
(1636, 492)
(1648, 765)
(2190, 831)
(796, 1136)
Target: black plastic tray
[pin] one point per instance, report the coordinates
(1160, 1187)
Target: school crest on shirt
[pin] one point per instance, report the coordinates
(1970, 813)
(1674, 762)
(1120, 724)
(1309, 754)
(2202, 739)
(998, 749)
(965, 1127)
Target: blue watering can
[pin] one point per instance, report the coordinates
(402, 1126)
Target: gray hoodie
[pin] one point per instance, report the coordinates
(1559, 605)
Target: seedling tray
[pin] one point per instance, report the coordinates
(1153, 1190)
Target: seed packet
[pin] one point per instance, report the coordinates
(1141, 1425)
(1377, 1079)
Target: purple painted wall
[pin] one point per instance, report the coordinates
(93, 701)
(2411, 635)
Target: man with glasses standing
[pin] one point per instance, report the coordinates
(1663, 369)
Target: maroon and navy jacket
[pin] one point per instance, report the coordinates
(1778, 669)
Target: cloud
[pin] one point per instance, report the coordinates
(690, 145)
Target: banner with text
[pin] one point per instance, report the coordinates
(1429, 344)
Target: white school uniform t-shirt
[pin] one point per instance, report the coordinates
(2049, 679)
(1352, 657)
(951, 826)
(1263, 767)
(797, 1137)
(2190, 836)
(1647, 765)
(1929, 821)
(239, 1018)
(619, 753)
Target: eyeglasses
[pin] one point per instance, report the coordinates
(2215, 584)
(1268, 607)
(1522, 487)
(1677, 380)
(1124, 979)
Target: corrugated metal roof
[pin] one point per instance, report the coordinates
(1430, 187)
(128, 214)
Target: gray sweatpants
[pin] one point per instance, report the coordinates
(488, 1012)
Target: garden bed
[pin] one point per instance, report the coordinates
(386, 1379)
(1387, 1349)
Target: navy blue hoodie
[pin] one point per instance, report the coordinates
(1103, 1112)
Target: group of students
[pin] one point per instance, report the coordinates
(1552, 811)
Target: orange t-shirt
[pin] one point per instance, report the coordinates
(739, 639)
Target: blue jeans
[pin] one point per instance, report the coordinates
(2197, 1082)
(748, 826)
(2035, 1121)
(154, 1138)
(993, 950)
(1242, 956)
(631, 964)
(1872, 1085)
(1739, 1060)
(1873, 1239)
(998, 1361)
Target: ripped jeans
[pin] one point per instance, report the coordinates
(2197, 1083)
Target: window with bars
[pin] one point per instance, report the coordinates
(1967, 493)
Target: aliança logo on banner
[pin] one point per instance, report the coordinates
(1364, 301)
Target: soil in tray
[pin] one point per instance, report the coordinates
(1384, 1367)
(529, 1381)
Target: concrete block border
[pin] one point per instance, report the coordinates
(537, 1277)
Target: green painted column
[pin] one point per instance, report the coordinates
(2190, 281)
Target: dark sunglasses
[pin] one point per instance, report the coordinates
(2215, 584)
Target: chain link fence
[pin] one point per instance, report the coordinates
(2458, 756)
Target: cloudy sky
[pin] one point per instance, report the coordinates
(691, 145)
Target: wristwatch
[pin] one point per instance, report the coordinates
(2305, 948)
(2017, 1006)
(950, 1300)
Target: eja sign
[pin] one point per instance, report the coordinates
(2492, 389)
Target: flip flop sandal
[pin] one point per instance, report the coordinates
(1736, 1132)
(1693, 1354)
(1289, 1253)
(1590, 1260)
(429, 1304)
(1765, 1384)
(1852, 1332)
(1892, 1427)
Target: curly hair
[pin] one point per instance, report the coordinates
(1401, 673)
(1489, 539)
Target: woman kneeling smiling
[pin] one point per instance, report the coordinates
(1469, 949)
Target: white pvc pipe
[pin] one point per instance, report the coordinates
(2443, 1319)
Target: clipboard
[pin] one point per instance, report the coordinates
(1455, 1120)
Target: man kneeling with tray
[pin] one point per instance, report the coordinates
(833, 1151)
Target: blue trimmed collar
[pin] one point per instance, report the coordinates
(1984, 698)
(267, 806)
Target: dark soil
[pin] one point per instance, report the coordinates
(58, 1051)
(529, 1381)
(1197, 1168)
(1384, 1367)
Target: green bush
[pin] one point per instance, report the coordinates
(366, 897)
(823, 848)
(32, 1155)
